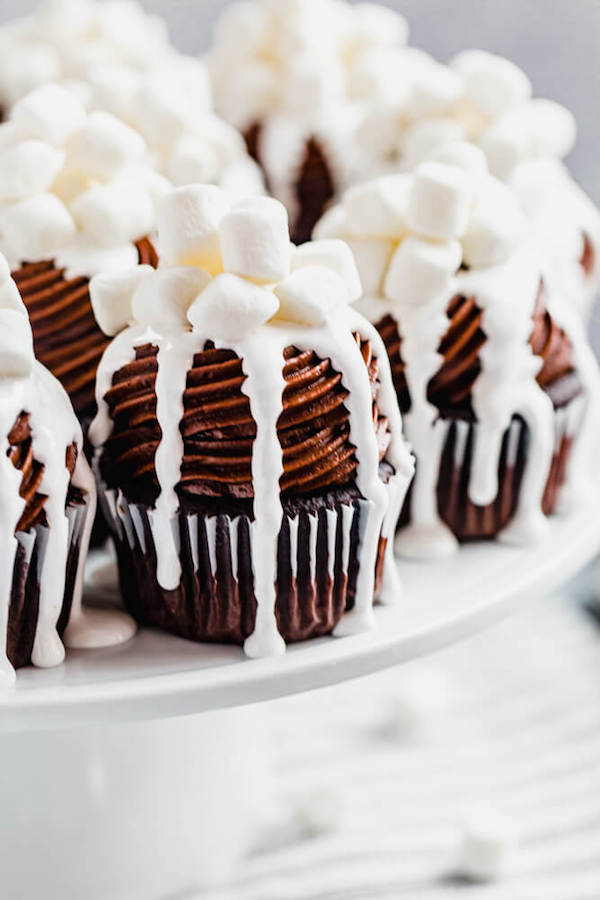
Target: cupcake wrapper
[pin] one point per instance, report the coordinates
(27, 570)
(317, 569)
(470, 522)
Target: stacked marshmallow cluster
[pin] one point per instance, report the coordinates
(74, 186)
(227, 270)
(410, 233)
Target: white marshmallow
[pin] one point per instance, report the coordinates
(378, 76)
(28, 168)
(440, 201)
(464, 155)
(248, 99)
(332, 224)
(188, 226)
(114, 213)
(166, 295)
(313, 87)
(550, 127)
(242, 27)
(492, 84)
(231, 308)
(422, 138)
(10, 298)
(378, 208)
(103, 146)
(488, 843)
(422, 271)
(435, 90)
(379, 25)
(504, 147)
(16, 344)
(311, 295)
(68, 185)
(24, 69)
(193, 161)
(112, 293)
(372, 259)
(255, 240)
(496, 226)
(334, 255)
(35, 228)
(161, 114)
(50, 113)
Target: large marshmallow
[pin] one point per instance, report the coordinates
(488, 842)
(422, 138)
(311, 295)
(165, 296)
(16, 344)
(112, 293)
(114, 213)
(255, 241)
(35, 228)
(231, 308)
(378, 208)
(464, 155)
(50, 113)
(422, 271)
(496, 226)
(334, 255)
(188, 226)
(28, 168)
(440, 201)
(492, 84)
(103, 146)
(372, 259)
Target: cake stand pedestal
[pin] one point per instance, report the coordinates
(112, 789)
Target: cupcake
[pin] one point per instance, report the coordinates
(49, 500)
(248, 439)
(492, 370)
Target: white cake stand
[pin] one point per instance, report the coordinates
(135, 807)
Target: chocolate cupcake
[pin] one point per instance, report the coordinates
(249, 441)
(491, 368)
(49, 500)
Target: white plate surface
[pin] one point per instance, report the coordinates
(155, 675)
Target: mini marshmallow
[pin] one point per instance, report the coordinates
(421, 271)
(495, 227)
(22, 72)
(112, 293)
(435, 90)
(243, 26)
(16, 344)
(332, 223)
(372, 258)
(464, 155)
(380, 26)
(114, 213)
(50, 113)
(35, 228)
(166, 295)
(334, 255)
(28, 168)
(378, 208)
(488, 843)
(550, 127)
(311, 295)
(313, 88)
(422, 138)
(231, 308)
(255, 240)
(492, 84)
(188, 226)
(103, 146)
(440, 201)
(68, 185)
(193, 161)
(504, 147)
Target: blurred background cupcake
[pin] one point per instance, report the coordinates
(248, 432)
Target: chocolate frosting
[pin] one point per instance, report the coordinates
(219, 431)
(67, 339)
(450, 388)
(21, 456)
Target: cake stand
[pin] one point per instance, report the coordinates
(113, 790)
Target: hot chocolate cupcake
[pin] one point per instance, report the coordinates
(491, 368)
(249, 441)
(49, 500)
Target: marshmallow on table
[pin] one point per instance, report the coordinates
(495, 227)
(231, 308)
(421, 271)
(492, 84)
(16, 344)
(440, 201)
(165, 295)
(255, 241)
(28, 168)
(189, 220)
(311, 295)
(112, 293)
(114, 213)
(378, 208)
(334, 255)
(488, 843)
(35, 228)
(50, 113)
(103, 146)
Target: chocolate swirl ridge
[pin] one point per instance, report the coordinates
(67, 339)
(218, 429)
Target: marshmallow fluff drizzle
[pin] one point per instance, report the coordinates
(451, 229)
(26, 386)
(262, 296)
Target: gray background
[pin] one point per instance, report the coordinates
(556, 41)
